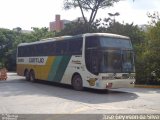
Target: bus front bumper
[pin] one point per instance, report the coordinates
(117, 83)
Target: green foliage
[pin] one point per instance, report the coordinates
(149, 58)
(41, 33)
(91, 6)
(152, 49)
(75, 28)
(155, 17)
(133, 31)
(9, 39)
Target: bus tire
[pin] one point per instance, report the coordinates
(77, 82)
(32, 76)
(26, 74)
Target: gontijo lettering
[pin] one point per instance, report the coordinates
(36, 60)
(20, 60)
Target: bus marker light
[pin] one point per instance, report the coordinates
(131, 82)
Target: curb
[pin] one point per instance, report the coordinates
(147, 86)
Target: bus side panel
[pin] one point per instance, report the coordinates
(74, 66)
(58, 68)
(20, 69)
(41, 71)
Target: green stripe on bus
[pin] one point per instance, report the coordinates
(58, 68)
(54, 68)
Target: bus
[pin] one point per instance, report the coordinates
(92, 60)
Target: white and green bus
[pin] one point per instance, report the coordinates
(92, 60)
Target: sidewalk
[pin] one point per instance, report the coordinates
(147, 86)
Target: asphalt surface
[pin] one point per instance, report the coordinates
(18, 96)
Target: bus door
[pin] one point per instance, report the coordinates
(91, 59)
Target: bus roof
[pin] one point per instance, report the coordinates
(45, 40)
(107, 35)
(67, 37)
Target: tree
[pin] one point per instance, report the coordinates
(155, 17)
(17, 29)
(41, 33)
(89, 5)
(153, 48)
(113, 15)
(9, 39)
(149, 58)
(76, 28)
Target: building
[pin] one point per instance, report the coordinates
(58, 24)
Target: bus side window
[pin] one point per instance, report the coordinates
(26, 51)
(51, 49)
(32, 47)
(91, 42)
(65, 47)
(42, 50)
(92, 61)
(61, 47)
(45, 49)
(20, 52)
(39, 50)
(75, 46)
(91, 54)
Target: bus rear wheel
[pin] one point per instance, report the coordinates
(77, 82)
(32, 76)
(26, 74)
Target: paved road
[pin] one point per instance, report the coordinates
(20, 96)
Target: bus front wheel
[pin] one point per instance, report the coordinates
(77, 82)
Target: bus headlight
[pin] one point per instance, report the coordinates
(132, 82)
(109, 85)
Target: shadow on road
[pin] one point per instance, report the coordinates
(24, 88)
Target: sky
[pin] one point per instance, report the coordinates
(38, 13)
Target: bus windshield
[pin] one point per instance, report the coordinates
(116, 61)
(115, 55)
(114, 42)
